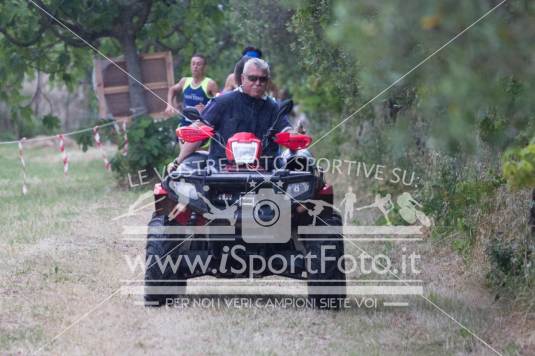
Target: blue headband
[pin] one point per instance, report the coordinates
(253, 54)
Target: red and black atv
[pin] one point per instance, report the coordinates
(230, 215)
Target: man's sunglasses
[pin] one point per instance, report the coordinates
(254, 78)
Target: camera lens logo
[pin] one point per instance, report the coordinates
(266, 213)
(266, 217)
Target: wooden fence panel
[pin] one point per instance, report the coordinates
(112, 85)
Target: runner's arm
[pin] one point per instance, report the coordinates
(230, 83)
(213, 89)
(187, 149)
(272, 87)
(171, 93)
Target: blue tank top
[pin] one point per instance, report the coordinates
(195, 95)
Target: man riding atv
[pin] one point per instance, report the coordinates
(251, 210)
(247, 109)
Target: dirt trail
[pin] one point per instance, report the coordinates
(60, 284)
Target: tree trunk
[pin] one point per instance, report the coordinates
(138, 105)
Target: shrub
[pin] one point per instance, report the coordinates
(107, 133)
(508, 258)
(151, 145)
(512, 271)
(519, 166)
(457, 199)
(51, 124)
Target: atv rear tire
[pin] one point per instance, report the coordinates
(327, 288)
(158, 291)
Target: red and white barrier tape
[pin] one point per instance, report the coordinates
(125, 147)
(63, 154)
(65, 157)
(23, 163)
(96, 136)
(44, 138)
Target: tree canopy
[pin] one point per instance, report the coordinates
(473, 97)
(32, 40)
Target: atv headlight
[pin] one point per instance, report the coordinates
(184, 189)
(244, 152)
(297, 189)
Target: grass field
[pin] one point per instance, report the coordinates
(62, 262)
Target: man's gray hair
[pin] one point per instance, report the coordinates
(258, 63)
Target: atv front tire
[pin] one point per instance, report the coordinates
(327, 287)
(161, 286)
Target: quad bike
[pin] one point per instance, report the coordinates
(197, 204)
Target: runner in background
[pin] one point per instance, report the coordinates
(196, 90)
(234, 79)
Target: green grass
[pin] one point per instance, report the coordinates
(36, 226)
(53, 202)
(32, 335)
